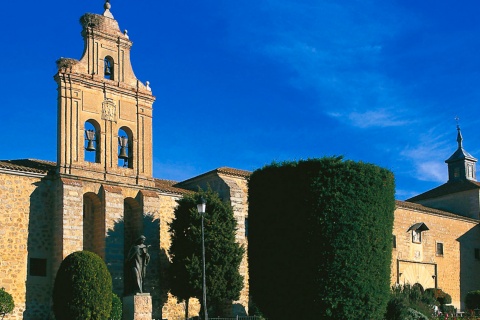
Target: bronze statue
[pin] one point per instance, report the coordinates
(138, 259)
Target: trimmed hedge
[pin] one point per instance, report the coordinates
(442, 297)
(83, 288)
(320, 239)
(404, 298)
(117, 312)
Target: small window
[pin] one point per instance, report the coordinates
(439, 251)
(38, 267)
(477, 254)
(246, 227)
(394, 241)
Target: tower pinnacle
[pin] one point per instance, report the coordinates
(107, 7)
(461, 165)
(459, 137)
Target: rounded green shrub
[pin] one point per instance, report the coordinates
(397, 308)
(6, 302)
(83, 288)
(472, 300)
(413, 314)
(116, 313)
(439, 295)
(444, 298)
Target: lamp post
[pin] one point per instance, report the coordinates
(201, 209)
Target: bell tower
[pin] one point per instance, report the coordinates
(461, 164)
(104, 111)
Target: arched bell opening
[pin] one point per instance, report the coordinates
(108, 68)
(93, 224)
(125, 148)
(92, 141)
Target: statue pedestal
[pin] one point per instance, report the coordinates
(137, 307)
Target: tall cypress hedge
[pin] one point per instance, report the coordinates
(320, 235)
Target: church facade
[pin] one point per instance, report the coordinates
(101, 195)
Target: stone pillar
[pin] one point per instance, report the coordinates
(114, 238)
(68, 221)
(137, 307)
(155, 276)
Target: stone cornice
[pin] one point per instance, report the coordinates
(101, 83)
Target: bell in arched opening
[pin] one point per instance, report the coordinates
(108, 68)
(123, 143)
(90, 136)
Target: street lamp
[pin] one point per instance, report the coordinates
(201, 209)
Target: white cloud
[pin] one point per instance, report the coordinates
(381, 118)
(428, 153)
(431, 171)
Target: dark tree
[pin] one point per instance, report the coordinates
(223, 254)
(83, 288)
(320, 239)
(6, 303)
(472, 300)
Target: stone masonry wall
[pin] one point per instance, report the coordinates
(239, 202)
(114, 243)
(23, 226)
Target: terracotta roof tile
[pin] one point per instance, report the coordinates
(169, 186)
(223, 170)
(234, 172)
(28, 165)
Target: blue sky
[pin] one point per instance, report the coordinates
(245, 83)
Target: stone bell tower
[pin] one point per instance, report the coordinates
(104, 111)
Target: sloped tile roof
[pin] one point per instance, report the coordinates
(222, 170)
(28, 165)
(169, 186)
(44, 167)
(234, 172)
(460, 154)
(447, 188)
(419, 207)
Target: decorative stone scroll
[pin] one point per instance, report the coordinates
(109, 110)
